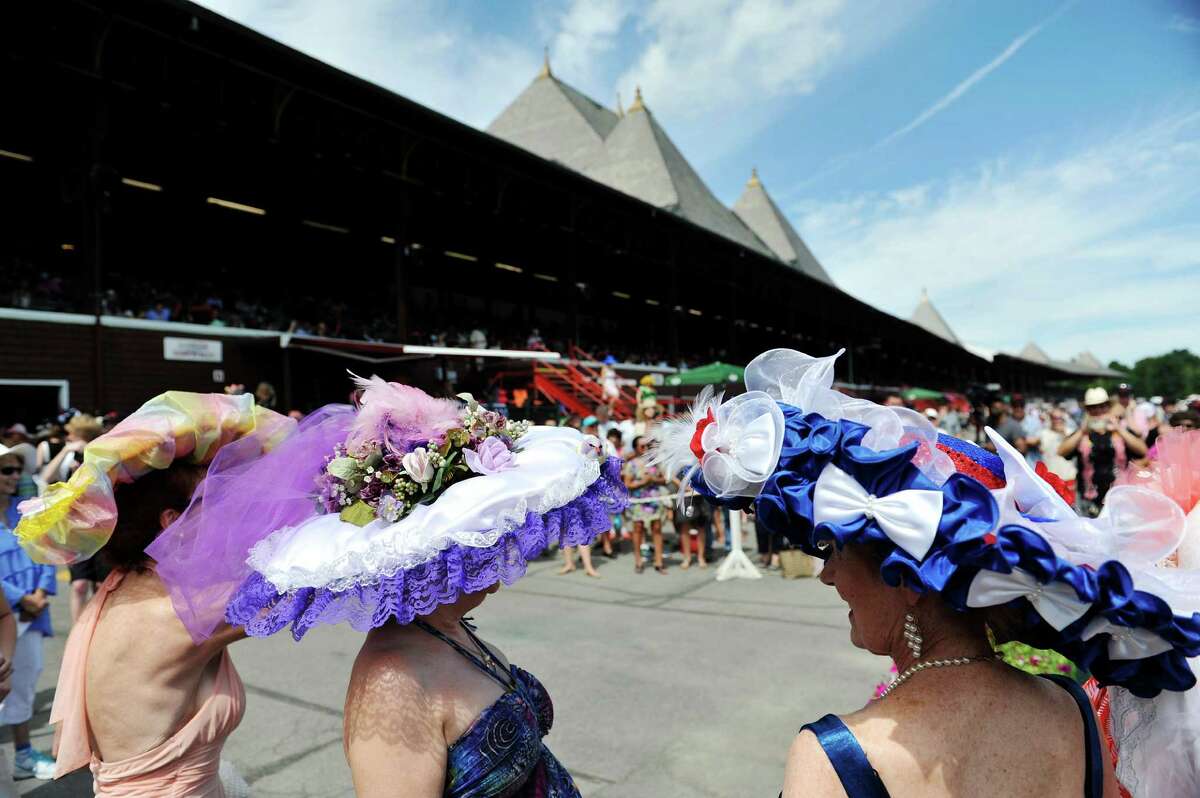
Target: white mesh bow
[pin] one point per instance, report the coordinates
(806, 382)
(734, 444)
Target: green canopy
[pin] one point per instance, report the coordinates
(713, 374)
(914, 394)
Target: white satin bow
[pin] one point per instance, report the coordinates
(1125, 642)
(909, 518)
(1056, 602)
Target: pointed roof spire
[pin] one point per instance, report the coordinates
(759, 212)
(638, 105)
(1034, 353)
(926, 315)
(545, 73)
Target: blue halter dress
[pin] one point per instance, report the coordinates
(502, 755)
(860, 780)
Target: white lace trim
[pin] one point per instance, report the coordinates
(333, 554)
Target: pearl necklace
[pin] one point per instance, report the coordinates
(916, 668)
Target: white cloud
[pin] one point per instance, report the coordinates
(1092, 250)
(583, 35)
(703, 55)
(421, 49)
(716, 72)
(975, 77)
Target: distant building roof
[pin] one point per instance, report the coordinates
(1034, 353)
(628, 151)
(644, 162)
(1084, 364)
(926, 315)
(760, 213)
(555, 121)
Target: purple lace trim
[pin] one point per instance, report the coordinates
(263, 610)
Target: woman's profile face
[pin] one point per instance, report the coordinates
(876, 609)
(10, 474)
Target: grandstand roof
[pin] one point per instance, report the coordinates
(760, 213)
(1034, 353)
(927, 317)
(629, 152)
(555, 121)
(641, 160)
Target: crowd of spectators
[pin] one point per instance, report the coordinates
(1086, 441)
(201, 302)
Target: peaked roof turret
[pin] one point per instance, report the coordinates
(1034, 353)
(555, 121)
(760, 213)
(926, 315)
(642, 160)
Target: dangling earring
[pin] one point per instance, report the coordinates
(912, 635)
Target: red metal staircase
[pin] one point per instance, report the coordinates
(577, 387)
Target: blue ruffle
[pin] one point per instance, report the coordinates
(967, 542)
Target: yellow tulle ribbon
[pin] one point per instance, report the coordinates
(72, 520)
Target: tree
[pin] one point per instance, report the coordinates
(1173, 375)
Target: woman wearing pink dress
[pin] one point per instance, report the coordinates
(152, 724)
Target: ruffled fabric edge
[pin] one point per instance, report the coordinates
(384, 557)
(1112, 601)
(972, 538)
(263, 610)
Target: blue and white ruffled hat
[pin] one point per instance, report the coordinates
(822, 469)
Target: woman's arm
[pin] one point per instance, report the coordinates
(1135, 446)
(808, 773)
(395, 742)
(49, 474)
(8, 645)
(1071, 442)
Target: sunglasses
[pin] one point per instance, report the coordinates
(10, 471)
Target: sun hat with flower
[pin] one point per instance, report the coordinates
(982, 529)
(380, 511)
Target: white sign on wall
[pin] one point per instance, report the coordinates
(196, 350)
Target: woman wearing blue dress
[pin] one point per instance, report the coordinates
(938, 548)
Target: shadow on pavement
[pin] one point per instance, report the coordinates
(76, 785)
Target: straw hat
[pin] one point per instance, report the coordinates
(1095, 396)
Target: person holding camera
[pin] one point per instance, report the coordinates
(1102, 446)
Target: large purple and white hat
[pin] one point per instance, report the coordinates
(380, 511)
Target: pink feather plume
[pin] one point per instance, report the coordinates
(399, 417)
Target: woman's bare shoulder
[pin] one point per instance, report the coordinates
(808, 773)
(389, 692)
(394, 735)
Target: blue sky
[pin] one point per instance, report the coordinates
(1035, 166)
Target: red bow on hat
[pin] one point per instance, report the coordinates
(697, 446)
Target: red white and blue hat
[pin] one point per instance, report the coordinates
(981, 529)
